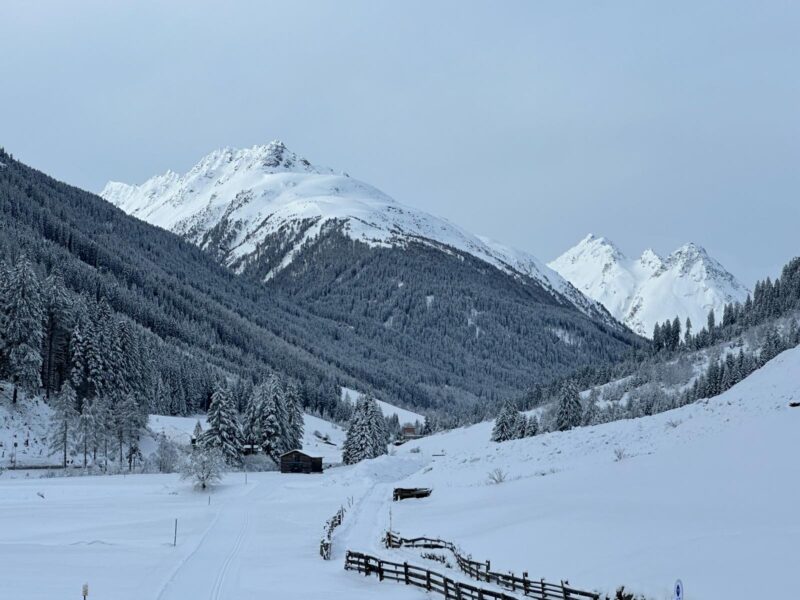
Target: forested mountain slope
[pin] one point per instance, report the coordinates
(197, 306)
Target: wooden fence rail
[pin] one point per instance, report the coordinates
(420, 577)
(326, 543)
(481, 571)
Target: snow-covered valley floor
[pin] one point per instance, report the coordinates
(707, 493)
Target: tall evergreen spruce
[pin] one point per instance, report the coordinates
(569, 409)
(294, 409)
(509, 425)
(22, 325)
(366, 434)
(223, 428)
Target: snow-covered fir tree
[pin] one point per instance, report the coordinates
(22, 328)
(569, 411)
(509, 425)
(294, 411)
(531, 426)
(223, 427)
(366, 434)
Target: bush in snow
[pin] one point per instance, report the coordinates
(497, 476)
(258, 462)
(620, 454)
(166, 456)
(204, 467)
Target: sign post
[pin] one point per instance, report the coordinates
(678, 590)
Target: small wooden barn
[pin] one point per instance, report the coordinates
(296, 461)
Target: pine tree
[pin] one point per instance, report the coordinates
(357, 443)
(568, 410)
(294, 411)
(366, 434)
(84, 431)
(379, 431)
(531, 426)
(590, 411)
(56, 332)
(223, 429)
(62, 422)
(509, 425)
(23, 328)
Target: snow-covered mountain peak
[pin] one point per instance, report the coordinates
(651, 289)
(248, 203)
(650, 261)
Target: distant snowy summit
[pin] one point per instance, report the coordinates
(650, 289)
(243, 205)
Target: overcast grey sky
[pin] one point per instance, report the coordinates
(653, 123)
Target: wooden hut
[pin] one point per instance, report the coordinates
(296, 461)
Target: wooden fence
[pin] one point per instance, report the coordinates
(326, 544)
(419, 577)
(481, 571)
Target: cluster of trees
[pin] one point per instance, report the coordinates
(367, 434)
(667, 335)
(272, 421)
(511, 424)
(567, 412)
(725, 372)
(100, 371)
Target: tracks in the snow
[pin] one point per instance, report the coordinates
(237, 546)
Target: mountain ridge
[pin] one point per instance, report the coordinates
(651, 288)
(243, 204)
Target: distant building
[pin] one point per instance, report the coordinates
(296, 461)
(408, 432)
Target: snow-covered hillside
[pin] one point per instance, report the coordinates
(403, 415)
(704, 493)
(650, 289)
(243, 203)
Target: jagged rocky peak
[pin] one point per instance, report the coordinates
(651, 289)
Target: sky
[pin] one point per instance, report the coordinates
(534, 123)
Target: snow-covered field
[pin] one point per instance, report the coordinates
(706, 493)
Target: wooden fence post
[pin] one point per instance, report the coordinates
(564, 590)
(488, 568)
(544, 595)
(525, 582)
(428, 580)
(405, 571)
